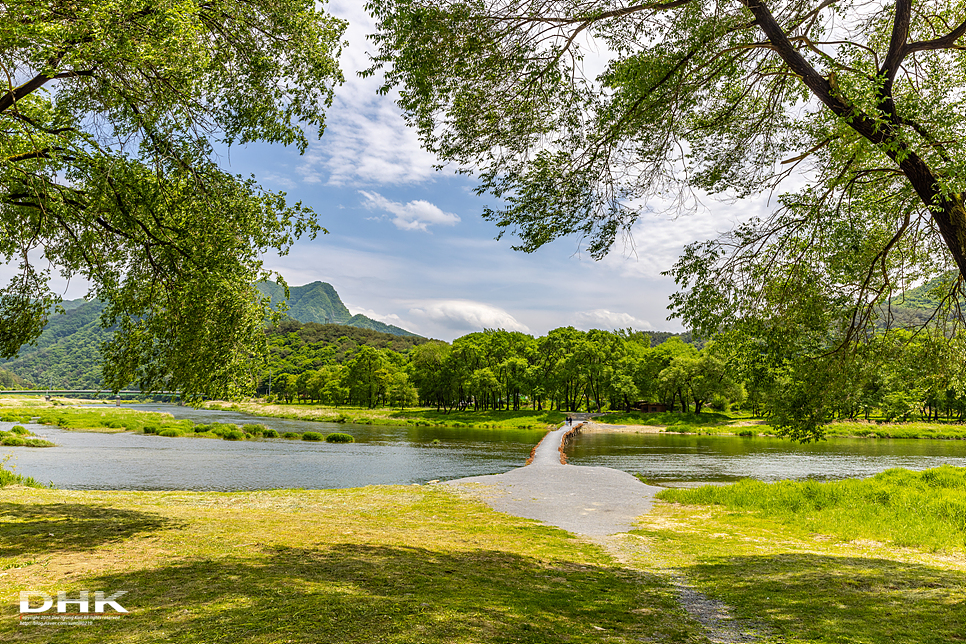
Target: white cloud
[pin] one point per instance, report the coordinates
(467, 315)
(415, 215)
(608, 320)
(386, 318)
(279, 180)
(366, 140)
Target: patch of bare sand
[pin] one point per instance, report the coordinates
(603, 428)
(37, 401)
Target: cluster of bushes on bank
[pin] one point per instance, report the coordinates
(335, 437)
(19, 436)
(8, 477)
(144, 422)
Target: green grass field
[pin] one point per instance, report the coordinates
(872, 561)
(899, 507)
(798, 562)
(382, 564)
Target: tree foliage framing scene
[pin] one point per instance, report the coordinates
(848, 114)
(111, 113)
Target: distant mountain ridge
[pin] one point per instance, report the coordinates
(320, 303)
(67, 353)
(918, 305)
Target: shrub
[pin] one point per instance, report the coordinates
(223, 429)
(254, 429)
(268, 432)
(150, 429)
(8, 477)
(234, 435)
(201, 428)
(12, 441)
(339, 437)
(291, 435)
(719, 403)
(312, 436)
(170, 433)
(37, 442)
(747, 432)
(19, 429)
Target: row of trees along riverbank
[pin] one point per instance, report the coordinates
(896, 376)
(567, 369)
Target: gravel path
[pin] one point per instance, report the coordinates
(593, 501)
(601, 503)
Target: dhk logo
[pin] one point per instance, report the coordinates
(82, 602)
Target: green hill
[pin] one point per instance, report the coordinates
(916, 306)
(318, 302)
(67, 354)
(296, 347)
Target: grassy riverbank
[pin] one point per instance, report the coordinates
(116, 420)
(522, 419)
(879, 560)
(898, 507)
(417, 564)
(379, 564)
(743, 425)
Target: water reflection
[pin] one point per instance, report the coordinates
(381, 455)
(682, 458)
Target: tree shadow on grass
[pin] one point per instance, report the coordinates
(37, 529)
(366, 594)
(812, 597)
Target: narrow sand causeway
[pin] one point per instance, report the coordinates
(593, 501)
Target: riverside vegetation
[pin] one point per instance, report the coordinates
(895, 379)
(141, 422)
(418, 563)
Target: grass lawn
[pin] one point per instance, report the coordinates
(876, 561)
(378, 564)
(912, 429)
(861, 560)
(806, 587)
(742, 424)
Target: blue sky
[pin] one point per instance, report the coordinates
(407, 245)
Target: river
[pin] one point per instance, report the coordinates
(407, 455)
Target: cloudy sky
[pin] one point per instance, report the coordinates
(407, 245)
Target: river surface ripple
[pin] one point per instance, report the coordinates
(407, 455)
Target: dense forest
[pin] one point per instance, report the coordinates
(898, 375)
(496, 369)
(67, 355)
(12, 381)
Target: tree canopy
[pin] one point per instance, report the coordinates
(849, 114)
(110, 115)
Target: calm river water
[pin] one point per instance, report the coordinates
(405, 455)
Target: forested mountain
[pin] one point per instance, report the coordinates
(67, 353)
(297, 348)
(917, 306)
(318, 302)
(10, 380)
